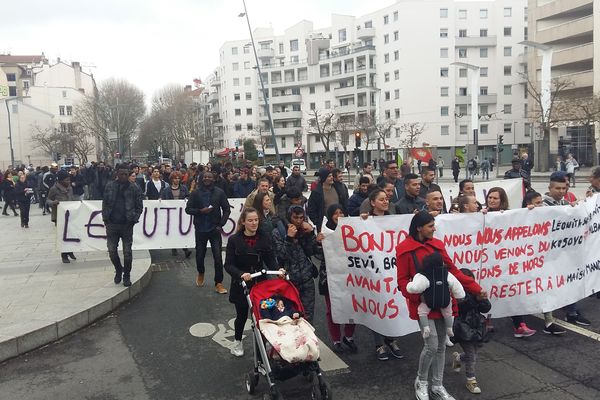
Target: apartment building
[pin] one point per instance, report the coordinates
(396, 65)
(568, 28)
(42, 96)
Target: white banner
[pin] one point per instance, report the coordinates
(163, 225)
(529, 261)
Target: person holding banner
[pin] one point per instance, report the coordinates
(333, 214)
(420, 242)
(176, 191)
(410, 201)
(594, 179)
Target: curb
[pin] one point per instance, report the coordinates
(44, 332)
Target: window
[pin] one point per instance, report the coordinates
(525, 35)
(327, 87)
(238, 112)
(462, 33)
(11, 77)
(507, 70)
(12, 91)
(311, 89)
(238, 127)
(247, 81)
(387, 96)
(246, 49)
(248, 96)
(462, 73)
(69, 110)
(507, 51)
(462, 109)
(386, 19)
(444, 72)
(388, 114)
(444, 52)
(444, 91)
(386, 38)
(327, 104)
(443, 32)
(444, 111)
(483, 109)
(483, 90)
(283, 143)
(483, 129)
(462, 53)
(396, 35)
(508, 109)
(508, 12)
(246, 64)
(396, 94)
(234, 51)
(236, 96)
(507, 31)
(61, 110)
(294, 45)
(248, 111)
(462, 91)
(483, 32)
(463, 129)
(507, 128)
(342, 35)
(294, 59)
(236, 81)
(396, 75)
(386, 58)
(235, 66)
(396, 55)
(313, 106)
(483, 52)
(444, 130)
(368, 24)
(462, 14)
(527, 131)
(64, 94)
(443, 13)
(25, 85)
(483, 71)
(63, 127)
(397, 113)
(483, 13)
(395, 15)
(507, 89)
(386, 77)
(280, 48)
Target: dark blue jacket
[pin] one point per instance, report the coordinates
(241, 189)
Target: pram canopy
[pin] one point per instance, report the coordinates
(272, 288)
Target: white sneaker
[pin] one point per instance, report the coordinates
(238, 348)
(440, 393)
(421, 389)
(449, 342)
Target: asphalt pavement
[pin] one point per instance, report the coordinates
(147, 349)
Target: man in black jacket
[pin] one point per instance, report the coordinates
(210, 208)
(411, 201)
(325, 194)
(122, 206)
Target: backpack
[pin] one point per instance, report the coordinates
(437, 296)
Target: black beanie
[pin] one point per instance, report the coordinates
(323, 174)
(62, 175)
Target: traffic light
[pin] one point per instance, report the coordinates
(357, 138)
(500, 139)
(58, 156)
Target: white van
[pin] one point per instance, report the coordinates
(299, 162)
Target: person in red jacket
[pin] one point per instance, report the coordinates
(421, 242)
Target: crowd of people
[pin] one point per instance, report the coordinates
(280, 228)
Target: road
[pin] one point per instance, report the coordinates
(145, 350)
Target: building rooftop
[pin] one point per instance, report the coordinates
(32, 59)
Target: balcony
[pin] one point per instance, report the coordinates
(571, 55)
(290, 98)
(213, 98)
(287, 131)
(580, 79)
(556, 8)
(349, 109)
(571, 29)
(365, 33)
(284, 115)
(345, 91)
(481, 99)
(214, 110)
(218, 122)
(266, 53)
(216, 82)
(475, 41)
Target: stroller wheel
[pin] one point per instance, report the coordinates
(251, 382)
(320, 392)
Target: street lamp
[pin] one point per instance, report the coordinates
(474, 87)
(543, 144)
(10, 142)
(262, 84)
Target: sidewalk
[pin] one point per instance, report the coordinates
(42, 299)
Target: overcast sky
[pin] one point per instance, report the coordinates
(152, 42)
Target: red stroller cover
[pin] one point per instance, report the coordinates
(274, 287)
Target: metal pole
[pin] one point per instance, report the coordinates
(12, 151)
(262, 84)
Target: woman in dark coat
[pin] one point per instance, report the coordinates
(247, 251)
(23, 193)
(176, 191)
(8, 192)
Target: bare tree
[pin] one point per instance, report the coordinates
(81, 144)
(410, 133)
(116, 106)
(323, 124)
(366, 125)
(48, 140)
(346, 127)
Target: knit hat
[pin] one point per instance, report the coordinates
(323, 174)
(62, 175)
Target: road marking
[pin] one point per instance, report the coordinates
(574, 328)
(329, 361)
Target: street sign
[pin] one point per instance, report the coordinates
(299, 153)
(237, 143)
(261, 154)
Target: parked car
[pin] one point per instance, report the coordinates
(299, 162)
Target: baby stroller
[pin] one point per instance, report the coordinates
(266, 362)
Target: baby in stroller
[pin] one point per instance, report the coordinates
(276, 307)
